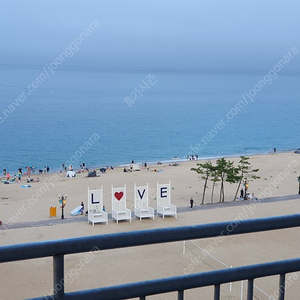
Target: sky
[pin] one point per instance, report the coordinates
(166, 35)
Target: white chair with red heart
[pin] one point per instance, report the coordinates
(119, 209)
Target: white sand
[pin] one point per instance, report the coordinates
(33, 278)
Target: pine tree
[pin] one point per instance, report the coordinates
(223, 168)
(214, 178)
(204, 169)
(245, 173)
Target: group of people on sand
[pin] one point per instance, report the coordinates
(13, 180)
(28, 180)
(8, 177)
(66, 168)
(249, 196)
(192, 157)
(18, 177)
(44, 171)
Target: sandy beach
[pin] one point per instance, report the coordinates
(21, 208)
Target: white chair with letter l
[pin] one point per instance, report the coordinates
(95, 207)
(119, 210)
(164, 206)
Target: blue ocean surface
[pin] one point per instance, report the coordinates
(105, 117)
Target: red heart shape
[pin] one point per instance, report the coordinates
(119, 195)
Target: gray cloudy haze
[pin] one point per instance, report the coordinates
(152, 34)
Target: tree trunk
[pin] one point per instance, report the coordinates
(222, 196)
(221, 190)
(212, 194)
(238, 188)
(205, 185)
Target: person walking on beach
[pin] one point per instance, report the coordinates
(19, 175)
(4, 172)
(192, 202)
(7, 176)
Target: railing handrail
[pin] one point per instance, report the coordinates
(59, 248)
(185, 282)
(144, 237)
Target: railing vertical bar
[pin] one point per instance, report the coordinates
(242, 290)
(58, 277)
(217, 292)
(143, 298)
(250, 290)
(281, 287)
(180, 295)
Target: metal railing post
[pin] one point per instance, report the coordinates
(217, 292)
(281, 286)
(250, 290)
(180, 295)
(58, 277)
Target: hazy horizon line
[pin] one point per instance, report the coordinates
(80, 67)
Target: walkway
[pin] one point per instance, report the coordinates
(75, 219)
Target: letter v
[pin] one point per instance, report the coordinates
(141, 196)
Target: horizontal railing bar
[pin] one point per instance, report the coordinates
(185, 282)
(143, 237)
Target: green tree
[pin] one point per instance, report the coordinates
(205, 170)
(224, 169)
(233, 175)
(214, 178)
(245, 172)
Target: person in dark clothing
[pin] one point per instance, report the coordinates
(192, 202)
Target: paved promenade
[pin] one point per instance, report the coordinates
(71, 219)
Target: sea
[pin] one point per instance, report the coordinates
(110, 117)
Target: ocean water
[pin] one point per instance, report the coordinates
(85, 115)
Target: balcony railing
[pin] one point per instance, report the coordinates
(59, 248)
